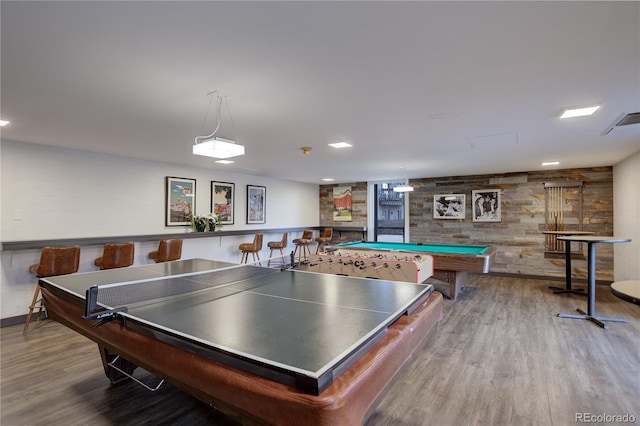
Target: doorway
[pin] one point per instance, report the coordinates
(389, 213)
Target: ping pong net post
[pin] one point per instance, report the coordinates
(94, 311)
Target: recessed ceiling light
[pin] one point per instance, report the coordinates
(225, 161)
(4, 123)
(340, 145)
(579, 112)
(550, 163)
(328, 179)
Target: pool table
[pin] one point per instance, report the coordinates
(451, 262)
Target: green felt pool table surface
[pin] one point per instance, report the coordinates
(418, 247)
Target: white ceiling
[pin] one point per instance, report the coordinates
(439, 88)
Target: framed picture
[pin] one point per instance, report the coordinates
(222, 201)
(342, 208)
(486, 205)
(448, 206)
(180, 200)
(256, 204)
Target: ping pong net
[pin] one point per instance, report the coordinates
(106, 302)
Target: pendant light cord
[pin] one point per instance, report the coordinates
(217, 117)
(233, 124)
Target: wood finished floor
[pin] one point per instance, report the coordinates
(500, 357)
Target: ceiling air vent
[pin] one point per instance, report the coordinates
(623, 120)
(633, 118)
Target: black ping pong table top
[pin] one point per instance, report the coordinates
(299, 328)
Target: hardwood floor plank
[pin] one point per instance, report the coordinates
(499, 365)
(530, 397)
(494, 406)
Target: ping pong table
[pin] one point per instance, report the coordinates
(273, 346)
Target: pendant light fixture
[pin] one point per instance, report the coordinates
(211, 145)
(406, 187)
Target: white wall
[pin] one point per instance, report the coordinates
(51, 193)
(626, 218)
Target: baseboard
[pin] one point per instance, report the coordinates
(547, 278)
(20, 319)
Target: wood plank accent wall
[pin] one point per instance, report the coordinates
(518, 238)
(358, 206)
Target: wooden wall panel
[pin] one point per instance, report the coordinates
(518, 237)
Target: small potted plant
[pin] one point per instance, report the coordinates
(213, 221)
(202, 223)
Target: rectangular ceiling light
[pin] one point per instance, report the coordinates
(340, 145)
(579, 112)
(550, 163)
(403, 188)
(4, 123)
(218, 148)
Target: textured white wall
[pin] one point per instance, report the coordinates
(626, 218)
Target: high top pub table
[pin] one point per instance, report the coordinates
(591, 241)
(567, 248)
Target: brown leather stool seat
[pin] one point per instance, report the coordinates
(302, 245)
(278, 245)
(253, 248)
(116, 255)
(168, 250)
(324, 239)
(53, 261)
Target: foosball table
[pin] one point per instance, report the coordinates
(451, 262)
(409, 267)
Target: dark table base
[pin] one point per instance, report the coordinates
(591, 278)
(561, 290)
(594, 319)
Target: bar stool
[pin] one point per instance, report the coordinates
(116, 255)
(278, 245)
(168, 250)
(253, 248)
(53, 261)
(324, 239)
(302, 245)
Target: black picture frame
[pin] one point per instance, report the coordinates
(256, 204)
(180, 200)
(223, 201)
